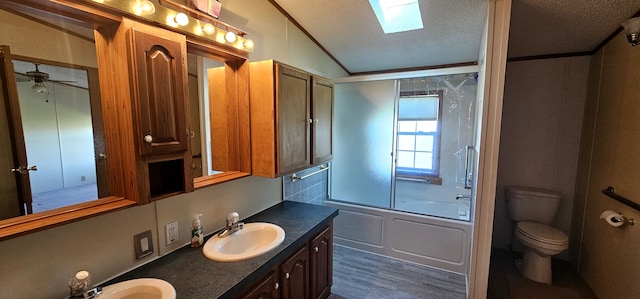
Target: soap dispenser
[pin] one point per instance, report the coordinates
(197, 236)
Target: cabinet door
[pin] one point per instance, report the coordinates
(293, 115)
(322, 148)
(159, 83)
(322, 264)
(294, 274)
(267, 288)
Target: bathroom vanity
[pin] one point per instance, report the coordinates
(304, 257)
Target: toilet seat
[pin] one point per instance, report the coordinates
(544, 235)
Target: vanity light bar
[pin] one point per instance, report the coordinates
(204, 26)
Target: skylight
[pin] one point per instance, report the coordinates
(397, 15)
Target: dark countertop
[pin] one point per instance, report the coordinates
(195, 276)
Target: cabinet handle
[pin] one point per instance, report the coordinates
(323, 242)
(310, 121)
(315, 249)
(286, 275)
(148, 138)
(276, 286)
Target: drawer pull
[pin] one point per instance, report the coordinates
(316, 249)
(286, 275)
(148, 138)
(276, 286)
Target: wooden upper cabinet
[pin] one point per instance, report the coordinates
(282, 121)
(159, 81)
(322, 111)
(293, 118)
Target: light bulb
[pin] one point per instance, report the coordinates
(147, 8)
(181, 19)
(40, 87)
(248, 43)
(230, 37)
(632, 30)
(144, 7)
(208, 28)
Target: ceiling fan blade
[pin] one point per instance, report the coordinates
(20, 77)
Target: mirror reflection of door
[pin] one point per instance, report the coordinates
(15, 198)
(59, 108)
(207, 89)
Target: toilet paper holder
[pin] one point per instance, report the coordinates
(616, 219)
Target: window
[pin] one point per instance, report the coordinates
(418, 140)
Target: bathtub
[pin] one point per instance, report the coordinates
(458, 210)
(426, 240)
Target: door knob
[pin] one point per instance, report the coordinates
(24, 170)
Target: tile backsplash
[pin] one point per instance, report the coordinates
(312, 189)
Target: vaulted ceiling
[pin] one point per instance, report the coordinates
(349, 31)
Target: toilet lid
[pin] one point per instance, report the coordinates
(543, 233)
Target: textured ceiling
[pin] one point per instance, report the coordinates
(540, 27)
(348, 29)
(350, 32)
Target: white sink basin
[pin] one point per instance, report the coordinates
(142, 288)
(255, 239)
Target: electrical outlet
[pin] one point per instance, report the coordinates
(172, 232)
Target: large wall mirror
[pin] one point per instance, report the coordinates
(50, 68)
(219, 104)
(53, 154)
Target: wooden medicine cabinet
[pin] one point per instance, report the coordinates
(142, 77)
(291, 119)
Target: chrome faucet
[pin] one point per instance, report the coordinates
(79, 286)
(233, 225)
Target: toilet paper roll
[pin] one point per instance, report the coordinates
(613, 218)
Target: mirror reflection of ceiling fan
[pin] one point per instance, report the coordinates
(39, 78)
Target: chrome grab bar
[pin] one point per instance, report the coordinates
(424, 180)
(611, 192)
(294, 177)
(467, 172)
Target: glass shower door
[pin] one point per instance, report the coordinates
(363, 132)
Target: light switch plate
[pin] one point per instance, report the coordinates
(143, 244)
(171, 232)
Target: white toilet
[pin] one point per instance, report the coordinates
(533, 209)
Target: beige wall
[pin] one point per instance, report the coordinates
(31, 39)
(277, 38)
(608, 256)
(39, 265)
(541, 127)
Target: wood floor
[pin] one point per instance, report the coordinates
(359, 275)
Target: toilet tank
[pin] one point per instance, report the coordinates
(532, 204)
